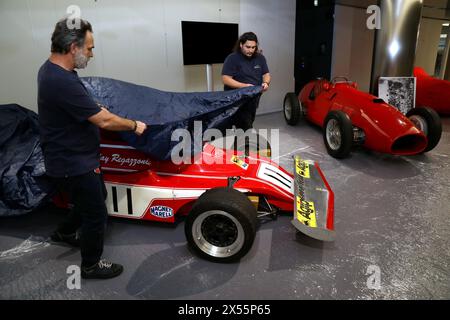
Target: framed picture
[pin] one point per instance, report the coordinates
(399, 92)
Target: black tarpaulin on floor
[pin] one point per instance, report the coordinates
(23, 184)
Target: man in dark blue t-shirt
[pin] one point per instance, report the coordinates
(69, 129)
(242, 68)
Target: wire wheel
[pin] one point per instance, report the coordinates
(338, 134)
(420, 123)
(333, 134)
(428, 121)
(292, 108)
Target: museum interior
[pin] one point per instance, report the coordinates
(341, 190)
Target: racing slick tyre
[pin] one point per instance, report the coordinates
(221, 226)
(428, 121)
(292, 109)
(338, 134)
(255, 143)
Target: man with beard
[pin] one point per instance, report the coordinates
(69, 121)
(246, 66)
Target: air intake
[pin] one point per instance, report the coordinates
(410, 144)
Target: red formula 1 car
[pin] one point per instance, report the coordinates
(432, 92)
(222, 194)
(351, 117)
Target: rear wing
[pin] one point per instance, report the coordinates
(313, 201)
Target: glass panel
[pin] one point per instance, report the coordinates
(441, 59)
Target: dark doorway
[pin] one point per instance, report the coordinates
(313, 40)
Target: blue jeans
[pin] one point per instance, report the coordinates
(87, 193)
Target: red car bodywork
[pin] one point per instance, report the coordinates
(432, 92)
(142, 188)
(146, 189)
(154, 185)
(385, 128)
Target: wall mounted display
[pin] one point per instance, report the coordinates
(207, 42)
(399, 92)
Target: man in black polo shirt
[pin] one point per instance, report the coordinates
(69, 121)
(246, 66)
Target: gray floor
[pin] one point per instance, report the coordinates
(392, 215)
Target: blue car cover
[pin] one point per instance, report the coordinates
(164, 112)
(23, 183)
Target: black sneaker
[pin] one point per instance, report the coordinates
(102, 270)
(71, 239)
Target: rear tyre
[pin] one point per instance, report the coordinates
(428, 121)
(221, 226)
(338, 134)
(292, 109)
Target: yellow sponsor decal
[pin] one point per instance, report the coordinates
(302, 168)
(306, 213)
(239, 162)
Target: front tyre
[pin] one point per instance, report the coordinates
(428, 121)
(338, 134)
(292, 109)
(221, 226)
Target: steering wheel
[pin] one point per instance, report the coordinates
(339, 77)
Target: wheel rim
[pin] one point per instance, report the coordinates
(288, 109)
(218, 234)
(333, 134)
(420, 123)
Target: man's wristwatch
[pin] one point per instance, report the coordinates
(135, 125)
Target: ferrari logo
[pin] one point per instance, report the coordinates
(239, 162)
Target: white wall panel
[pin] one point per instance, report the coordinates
(353, 46)
(274, 24)
(140, 41)
(18, 54)
(428, 43)
(342, 41)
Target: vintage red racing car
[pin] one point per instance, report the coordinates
(351, 117)
(432, 92)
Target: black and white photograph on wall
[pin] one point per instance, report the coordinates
(399, 92)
